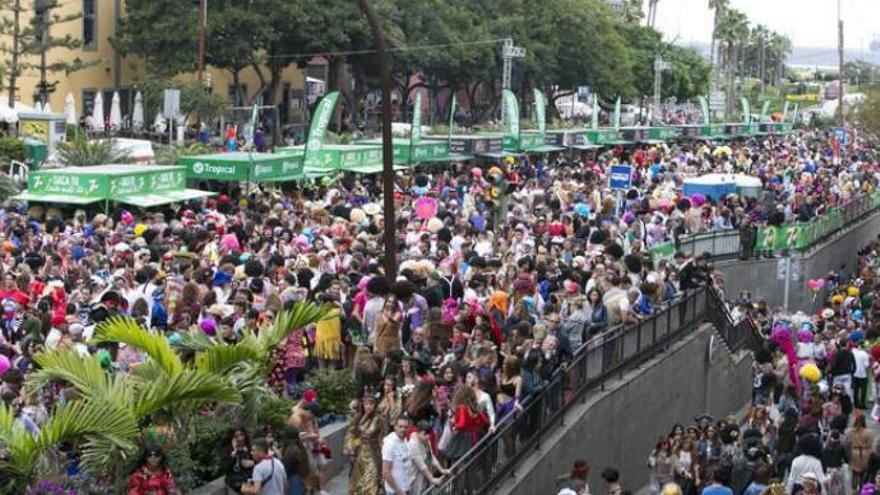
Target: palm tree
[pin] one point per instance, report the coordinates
(780, 48)
(81, 152)
(719, 6)
(652, 12)
(733, 32)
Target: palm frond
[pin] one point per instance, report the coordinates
(188, 389)
(65, 365)
(301, 314)
(220, 358)
(126, 330)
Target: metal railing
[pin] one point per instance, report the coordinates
(721, 243)
(495, 457)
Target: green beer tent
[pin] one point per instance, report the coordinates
(138, 185)
(242, 166)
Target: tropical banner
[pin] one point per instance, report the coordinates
(704, 109)
(764, 108)
(595, 117)
(451, 116)
(320, 122)
(746, 110)
(785, 111)
(617, 113)
(511, 113)
(415, 133)
(540, 111)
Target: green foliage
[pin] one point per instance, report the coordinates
(274, 411)
(162, 32)
(12, 148)
(195, 102)
(171, 155)
(868, 114)
(335, 388)
(83, 152)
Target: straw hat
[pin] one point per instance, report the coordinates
(357, 215)
(372, 209)
(434, 225)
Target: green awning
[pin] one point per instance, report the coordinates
(163, 198)
(452, 157)
(498, 154)
(586, 147)
(55, 198)
(545, 149)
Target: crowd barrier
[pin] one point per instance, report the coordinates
(496, 455)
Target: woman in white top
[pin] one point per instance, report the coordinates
(807, 462)
(484, 400)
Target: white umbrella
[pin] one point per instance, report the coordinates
(47, 108)
(70, 110)
(98, 113)
(137, 115)
(38, 107)
(159, 124)
(115, 113)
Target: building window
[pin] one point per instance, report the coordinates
(240, 98)
(90, 25)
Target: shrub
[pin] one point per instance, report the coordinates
(335, 388)
(12, 149)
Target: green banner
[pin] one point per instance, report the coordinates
(663, 251)
(617, 114)
(415, 133)
(764, 108)
(320, 122)
(794, 115)
(785, 111)
(255, 118)
(746, 110)
(540, 111)
(87, 186)
(704, 109)
(511, 112)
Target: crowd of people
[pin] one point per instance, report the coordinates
(815, 396)
(506, 271)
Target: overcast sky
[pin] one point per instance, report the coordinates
(809, 23)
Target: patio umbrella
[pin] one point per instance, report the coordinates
(137, 116)
(98, 113)
(115, 113)
(47, 108)
(38, 107)
(159, 123)
(70, 110)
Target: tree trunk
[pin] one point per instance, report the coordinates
(16, 40)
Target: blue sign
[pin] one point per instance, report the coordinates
(843, 135)
(621, 177)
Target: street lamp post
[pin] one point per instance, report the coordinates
(387, 150)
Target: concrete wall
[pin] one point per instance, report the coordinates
(617, 427)
(765, 277)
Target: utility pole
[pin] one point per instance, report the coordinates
(203, 19)
(840, 115)
(659, 66)
(508, 53)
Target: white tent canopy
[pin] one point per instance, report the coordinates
(10, 115)
(98, 113)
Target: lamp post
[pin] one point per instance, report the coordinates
(387, 149)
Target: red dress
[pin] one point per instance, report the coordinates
(145, 481)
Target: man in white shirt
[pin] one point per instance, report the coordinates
(269, 477)
(860, 377)
(398, 469)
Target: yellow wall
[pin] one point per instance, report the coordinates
(102, 75)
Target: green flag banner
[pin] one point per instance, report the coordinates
(764, 108)
(511, 113)
(794, 116)
(704, 109)
(617, 113)
(320, 122)
(415, 133)
(785, 111)
(595, 117)
(663, 251)
(451, 116)
(746, 110)
(540, 111)
(255, 117)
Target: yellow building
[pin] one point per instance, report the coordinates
(113, 72)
